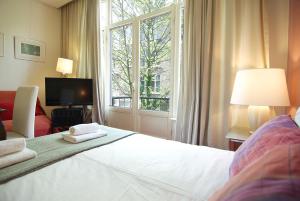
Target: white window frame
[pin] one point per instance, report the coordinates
(174, 10)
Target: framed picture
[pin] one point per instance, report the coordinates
(28, 49)
(1, 45)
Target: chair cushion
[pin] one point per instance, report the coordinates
(11, 135)
(42, 125)
(278, 131)
(7, 102)
(39, 110)
(277, 173)
(8, 125)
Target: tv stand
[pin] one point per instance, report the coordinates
(63, 118)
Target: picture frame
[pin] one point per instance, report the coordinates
(1, 44)
(28, 49)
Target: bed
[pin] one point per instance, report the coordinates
(135, 168)
(123, 166)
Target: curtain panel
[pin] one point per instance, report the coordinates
(80, 42)
(220, 38)
(194, 98)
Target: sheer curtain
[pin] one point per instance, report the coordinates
(80, 42)
(221, 37)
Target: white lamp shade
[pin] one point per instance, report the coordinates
(64, 66)
(260, 87)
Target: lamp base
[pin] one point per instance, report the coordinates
(64, 75)
(257, 115)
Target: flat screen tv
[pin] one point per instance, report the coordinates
(68, 91)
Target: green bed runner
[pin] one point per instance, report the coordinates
(53, 148)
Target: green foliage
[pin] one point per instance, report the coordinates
(155, 48)
(122, 59)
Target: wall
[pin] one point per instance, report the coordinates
(34, 20)
(294, 55)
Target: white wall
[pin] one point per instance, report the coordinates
(34, 20)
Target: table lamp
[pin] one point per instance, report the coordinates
(259, 89)
(64, 66)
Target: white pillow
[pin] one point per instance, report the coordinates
(297, 117)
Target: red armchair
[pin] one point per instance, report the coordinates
(42, 122)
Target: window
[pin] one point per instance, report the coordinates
(125, 9)
(155, 85)
(121, 66)
(122, 10)
(155, 53)
(141, 35)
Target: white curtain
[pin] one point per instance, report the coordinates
(194, 98)
(221, 37)
(80, 42)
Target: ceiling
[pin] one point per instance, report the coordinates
(56, 3)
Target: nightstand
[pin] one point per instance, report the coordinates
(236, 137)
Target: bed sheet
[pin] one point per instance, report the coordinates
(137, 168)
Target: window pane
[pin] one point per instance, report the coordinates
(122, 10)
(121, 70)
(126, 9)
(155, 54)
(148, 6)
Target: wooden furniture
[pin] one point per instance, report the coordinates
(63, 118)
(236, 137)
(2, 129)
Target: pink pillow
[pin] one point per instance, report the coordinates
(275, 173)
(278, 131)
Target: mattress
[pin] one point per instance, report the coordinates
(137, 168)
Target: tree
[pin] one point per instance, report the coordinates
(155, 47)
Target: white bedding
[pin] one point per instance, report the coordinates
(137, 168)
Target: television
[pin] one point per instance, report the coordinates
(68, 91)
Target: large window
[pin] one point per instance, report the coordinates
(155, 62)
(142, 42)
(121, 66)
(125, 9)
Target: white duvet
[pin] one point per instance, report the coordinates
(137, 168)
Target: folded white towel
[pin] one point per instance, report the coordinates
(81, 138)
(82, 129)
(12, 146)
(17, 157)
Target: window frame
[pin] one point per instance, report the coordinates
(174, 11)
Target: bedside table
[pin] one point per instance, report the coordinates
(236, 137)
